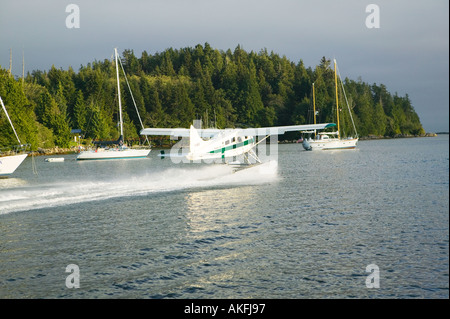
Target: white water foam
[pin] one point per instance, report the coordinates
(25, 198)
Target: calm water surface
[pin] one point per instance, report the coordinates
(304, 229)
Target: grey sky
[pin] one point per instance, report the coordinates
(409, 53)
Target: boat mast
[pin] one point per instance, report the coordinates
(337, 100)
(314, 105)
(314, 109)
(23, 67)
(10, 61)
(118, 91)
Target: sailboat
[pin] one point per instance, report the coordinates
(331, 140)
(9, 163)
(121, 151)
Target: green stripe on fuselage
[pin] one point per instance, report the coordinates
(232, 146)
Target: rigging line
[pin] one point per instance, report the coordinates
(6, 112)
(88, 123)
(348, 106)
(132, 97)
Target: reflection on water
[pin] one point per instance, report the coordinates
(212, 209)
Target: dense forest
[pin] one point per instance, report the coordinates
(174, 87)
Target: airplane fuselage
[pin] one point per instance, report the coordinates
(227, 143)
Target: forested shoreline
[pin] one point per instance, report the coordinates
(174, 87)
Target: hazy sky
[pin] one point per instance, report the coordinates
(409, 52)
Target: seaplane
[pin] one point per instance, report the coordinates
(212, 145)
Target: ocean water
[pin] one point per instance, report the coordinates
(307, 227)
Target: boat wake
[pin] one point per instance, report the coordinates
(23, 197)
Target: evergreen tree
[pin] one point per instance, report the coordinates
(379, 119)
(50, 116)
(97, 127)
(80, 112)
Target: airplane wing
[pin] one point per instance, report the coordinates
(260, 131)
(165, 131)
(279, 130)
(179, 132)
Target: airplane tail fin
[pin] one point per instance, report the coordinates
(195, 141)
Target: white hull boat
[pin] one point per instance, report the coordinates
(119, 153)
(8, 164)
(326, 143)
(54, 159)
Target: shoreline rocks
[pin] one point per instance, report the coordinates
(53, 151)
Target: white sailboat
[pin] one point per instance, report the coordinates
(121, 151)
(9, 163)
(331, 140)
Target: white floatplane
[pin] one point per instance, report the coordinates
(220, 145)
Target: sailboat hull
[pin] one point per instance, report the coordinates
(330, 144)
(110, 154)
(8, 164)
